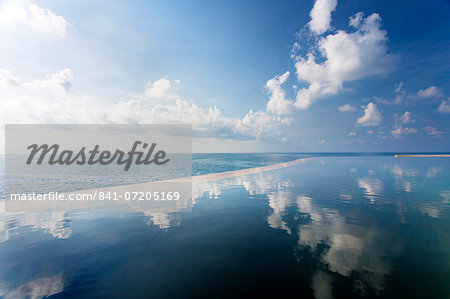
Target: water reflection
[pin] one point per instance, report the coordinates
(279, 202)
(341, 232)
(362, 253)
(40, 288)
(162, 220)
(436, 209)
(350, 249)
(402, 172)
(373, 187)
(322, 285)
(434, 171)
(57, 224)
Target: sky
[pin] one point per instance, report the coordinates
(250, 76)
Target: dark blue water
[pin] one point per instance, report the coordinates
(342, 227)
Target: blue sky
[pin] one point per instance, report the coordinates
(362, 75)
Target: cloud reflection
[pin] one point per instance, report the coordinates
(39, 288)
(373, 187)
(350, 248)
(321, 285)
(404, 172)
(56, 224)
(279, 202)
(337, 243)
(434, 209)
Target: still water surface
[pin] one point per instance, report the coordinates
(342, 227)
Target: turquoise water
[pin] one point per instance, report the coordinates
(332, 226)
(69, 178)
(212, 163)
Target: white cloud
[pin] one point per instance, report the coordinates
(400, 131)
(346, 56)
(432, 131)
(15, 13)
(295, 47)
(260, 122)
(46, 100)
(381, 100)
(371, 117)
(346, 108)
(12, 14)
(161, 89)
(321, 15)
(430, 92)
(51, 100)
(399, 93)
(352, 134)
(444, 107)
(7, 79)
(278, 103)
(404, 118)
(45, 21)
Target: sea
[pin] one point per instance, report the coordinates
(331, 225)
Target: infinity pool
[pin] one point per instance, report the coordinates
(327, 227)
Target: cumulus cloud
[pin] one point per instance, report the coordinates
(346, 108)
(371, 117)
(404, 118)
(400, 131)
(51, 100)
(45, 100)
(430, 92)
(260, 122)
(15, 13)
(160, 89)
(432, 131)
(444, 107)
(278, 103)
(8, 79)
(343, 56)
(321, 15)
